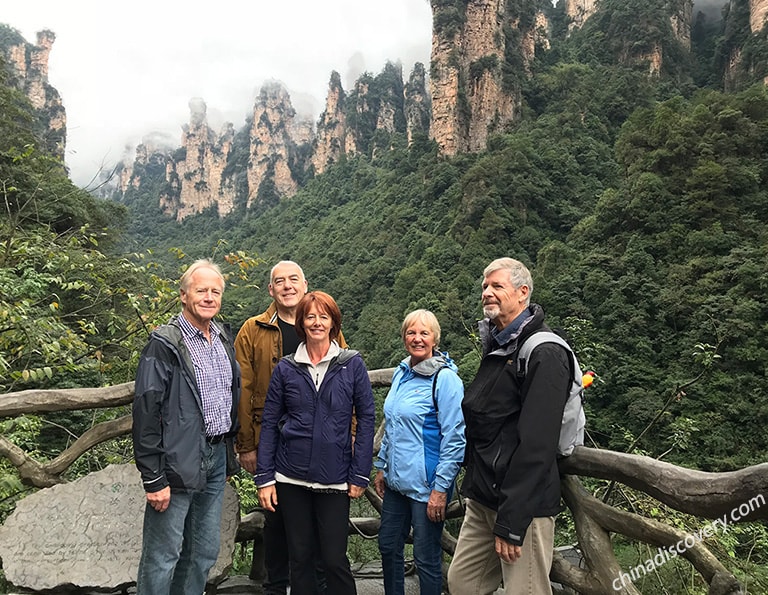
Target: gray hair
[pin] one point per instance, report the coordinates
(519, 274)
(283, 263)
(425, 316)
(203, 263)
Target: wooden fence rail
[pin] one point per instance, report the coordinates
(707, 495)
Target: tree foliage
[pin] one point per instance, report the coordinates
(639, 203)
(637, 200)
(672, 261)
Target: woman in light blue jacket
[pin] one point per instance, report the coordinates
(420, 455)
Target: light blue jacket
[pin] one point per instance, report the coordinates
(422, 449)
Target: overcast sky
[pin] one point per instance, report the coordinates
(125, 70)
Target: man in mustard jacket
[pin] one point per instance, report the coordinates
(262, 341)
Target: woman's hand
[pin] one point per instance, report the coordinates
(378, 484)
(436, 506)
(355, 491)
(268, 497)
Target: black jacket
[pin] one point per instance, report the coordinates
(168, 423)
(512, 429)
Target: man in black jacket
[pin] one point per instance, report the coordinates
(511, 484)
(184, 419)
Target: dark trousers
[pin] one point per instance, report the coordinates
(275, 553)
(276, 557)
(316, 524)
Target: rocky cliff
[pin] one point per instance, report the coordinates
(680, 14)
(681, 20)
(28, 69)
(275, 136)
(480, 51)
(331, 140)
(418, 104)
(277, 151)
(195, 174)
(635, 43)
(758, 13)
(744, 44)
(579, 11)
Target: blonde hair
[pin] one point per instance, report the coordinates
(203, 263)
(425, 316)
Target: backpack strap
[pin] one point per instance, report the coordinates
(434, 387)
(536, 339)
(532, 342)
(574, 420)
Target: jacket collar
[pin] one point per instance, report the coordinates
(507, 340)
(430, 365)
(302, 357)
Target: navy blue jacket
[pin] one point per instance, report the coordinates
(168, 423)
(306, 431)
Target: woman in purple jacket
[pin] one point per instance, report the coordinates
(307, 458)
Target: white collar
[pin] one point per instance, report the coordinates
(302, 357)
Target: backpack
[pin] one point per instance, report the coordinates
(574, 420)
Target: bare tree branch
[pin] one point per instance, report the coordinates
(95, 435)
(30, 471)
(655, 533)
(381, 377)
(595, 543)
(701, 493)
(43, 401)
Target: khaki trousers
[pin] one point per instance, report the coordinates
(477, 570)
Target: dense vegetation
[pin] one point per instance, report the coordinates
(651, 249)
(642, 216)
(639, 202)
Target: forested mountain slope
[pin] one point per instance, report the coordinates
(638, 200)
(653, 255)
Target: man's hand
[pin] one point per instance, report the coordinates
(378, 484)
(506, 551)
(355, 491)
(436, 506)
(248, 461)
(160, 500)
(268, 497)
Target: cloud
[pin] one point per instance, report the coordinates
(132, 70)
(712, 9)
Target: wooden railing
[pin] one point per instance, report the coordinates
(707, 495)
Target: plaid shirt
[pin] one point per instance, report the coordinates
(213, 372)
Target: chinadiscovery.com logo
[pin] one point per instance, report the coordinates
(664, 555)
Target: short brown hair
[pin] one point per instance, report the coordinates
(325, 303)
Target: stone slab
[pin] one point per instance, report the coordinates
(87, 533)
